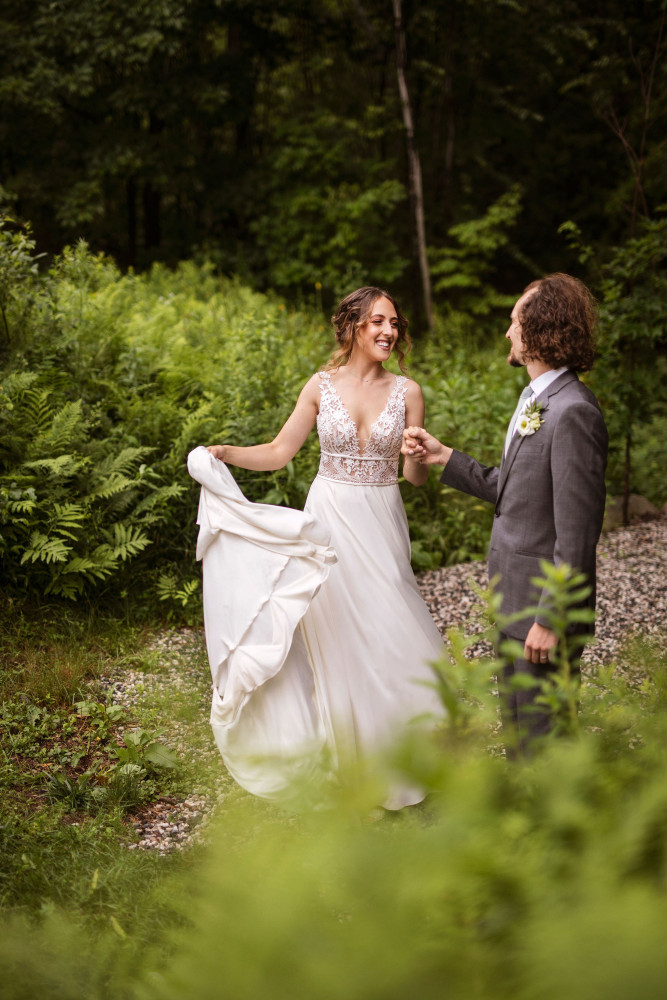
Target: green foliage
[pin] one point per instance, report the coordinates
(73, 754)
(168, 590)
(466, 683)
(271, 136)
(629, 377)
(18, 275)
(465, 686)
(110, 380)
(512, 880)
(315, 230)
(462, 271)
(144, 751)
(129, 375)
(564, 593)
(67, 796)
(470, 395)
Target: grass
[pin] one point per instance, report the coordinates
(492, 887)
(76, 769)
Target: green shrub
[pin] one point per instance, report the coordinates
(107, 381)
(532, 880)
(470, 394)
(103, 396)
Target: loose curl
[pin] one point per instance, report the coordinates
(353, 312)
(558, 323)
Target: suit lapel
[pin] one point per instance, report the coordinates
(508, 461)
(516, 442)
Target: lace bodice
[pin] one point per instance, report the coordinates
(341, 458)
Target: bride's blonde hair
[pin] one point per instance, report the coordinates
(353, 312)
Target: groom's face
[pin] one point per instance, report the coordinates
(516, 355)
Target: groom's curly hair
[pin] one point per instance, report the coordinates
(558, 323)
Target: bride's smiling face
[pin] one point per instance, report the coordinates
(377, 336)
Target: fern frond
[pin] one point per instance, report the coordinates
(89, 568)
(114, 482)
(67, 519)
(17, 383)
(196, 427)
(123, 462)
(23, 506)
(36, 410)
(67, 424)
(166, 587)
(104, 561)
(128, 541)
(68, 586)
(159, 496)
(62, 465)
(81, 564)
(45, 549)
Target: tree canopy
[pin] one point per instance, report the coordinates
(267, 135)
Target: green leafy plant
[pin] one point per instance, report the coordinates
(564, 591)
(77, 793)
(629, 376)
(462, 271)
(143, 750)
(19, 265)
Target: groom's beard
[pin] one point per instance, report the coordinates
(511, 360)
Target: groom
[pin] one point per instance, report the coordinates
(549, 490)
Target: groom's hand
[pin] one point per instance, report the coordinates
(540, 643)
(422, 447)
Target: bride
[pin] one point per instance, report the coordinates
(316, 632)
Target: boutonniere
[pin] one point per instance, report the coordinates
(531, 419)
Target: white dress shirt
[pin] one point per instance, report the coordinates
(543, 381)
(537, 385)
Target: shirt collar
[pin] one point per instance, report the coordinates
(543, 381)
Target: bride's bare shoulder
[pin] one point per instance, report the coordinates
(413, 389)
(311, 389)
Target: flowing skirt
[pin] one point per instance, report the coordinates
(318, 639)
(369, 634)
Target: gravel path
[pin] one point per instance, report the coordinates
(631, 600)
(631, 595)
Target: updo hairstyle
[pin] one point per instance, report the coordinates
(353, 312)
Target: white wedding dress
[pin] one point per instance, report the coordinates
(318, 639)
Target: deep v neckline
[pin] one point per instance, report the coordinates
(375, 422)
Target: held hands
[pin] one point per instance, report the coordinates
(217, 450)
(422, 447)
(539, 643)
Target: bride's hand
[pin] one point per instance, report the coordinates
(422, 447)
(217, 450)
(412, 445)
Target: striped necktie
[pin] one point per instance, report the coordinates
(515, 416)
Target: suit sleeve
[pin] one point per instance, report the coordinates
(578, 462)
(470, 476)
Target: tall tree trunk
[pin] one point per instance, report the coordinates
(626, 478)
(414, 166)
(449, 142)
(152, 203)
(636, 154)
(131, 201)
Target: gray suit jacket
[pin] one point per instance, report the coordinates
(549, 495)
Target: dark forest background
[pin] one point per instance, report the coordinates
(268, 135)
